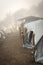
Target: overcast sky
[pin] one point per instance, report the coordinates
(12, 6)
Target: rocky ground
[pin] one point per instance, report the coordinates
(12, 52)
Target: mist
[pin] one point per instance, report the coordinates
(12, 6)
(39, 9)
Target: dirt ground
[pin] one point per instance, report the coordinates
(12, 52)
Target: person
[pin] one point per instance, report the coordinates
(23, 39)
(30, 37)
(29, 40)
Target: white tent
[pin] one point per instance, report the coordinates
(37, 27)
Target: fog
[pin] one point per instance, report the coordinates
(12, 10)
(12, 6)
(39, 9)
